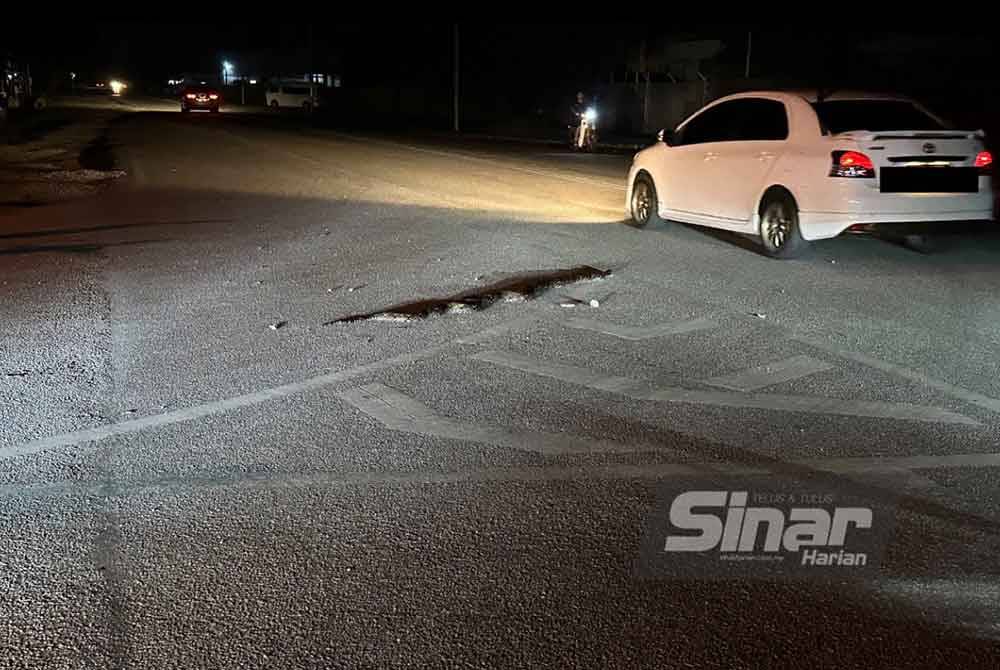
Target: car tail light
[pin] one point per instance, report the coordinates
(852, 164)
(190, 96)
(984, 161)
(213, 96)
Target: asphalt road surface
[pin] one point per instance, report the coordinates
(199, 470)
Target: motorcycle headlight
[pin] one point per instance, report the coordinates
(590, 114)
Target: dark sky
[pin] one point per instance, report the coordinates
(521, 60)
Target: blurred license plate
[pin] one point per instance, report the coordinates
(929, 180)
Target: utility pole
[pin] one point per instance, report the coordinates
(644, 68)
(749, 46)
(455, 82)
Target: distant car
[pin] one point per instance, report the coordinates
(93, 88)
(299, 95)
(200, 97)
(791, 168)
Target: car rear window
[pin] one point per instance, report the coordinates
(840, 116)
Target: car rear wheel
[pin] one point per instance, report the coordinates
(779, 227)
(644, 205)
(184, 110)
(274, 105)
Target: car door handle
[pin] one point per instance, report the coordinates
(711, 155)
(765, 156)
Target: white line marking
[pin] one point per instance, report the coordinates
(636, 334)
(399, 412)
(971, 397)
(786, 403)
(770, 374)
(209, 408)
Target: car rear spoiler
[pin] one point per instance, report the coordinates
(868, 135)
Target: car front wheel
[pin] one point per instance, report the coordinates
(779, 227)
(644, 205)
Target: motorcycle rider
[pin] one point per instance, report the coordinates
(578, 110)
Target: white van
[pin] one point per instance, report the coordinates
(300, 95)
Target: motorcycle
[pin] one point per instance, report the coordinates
(585, 134)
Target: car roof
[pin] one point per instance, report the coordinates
(812, 95)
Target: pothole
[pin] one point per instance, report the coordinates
(98, 155)
(522, 286)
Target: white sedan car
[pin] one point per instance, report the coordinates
(790, 168)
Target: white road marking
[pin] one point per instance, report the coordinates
(636, 334)
(966, 395)
(786, 403)
(209, 408)
(400, 412)
(770, 374)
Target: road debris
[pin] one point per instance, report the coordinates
(758, 315)
(278, 325)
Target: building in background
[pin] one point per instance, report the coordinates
(15, 85)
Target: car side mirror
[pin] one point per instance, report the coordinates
(666, 136)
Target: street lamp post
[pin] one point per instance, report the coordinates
(455, 79)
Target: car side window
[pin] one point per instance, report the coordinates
(758, 119)
(745, 119)
(712, 125)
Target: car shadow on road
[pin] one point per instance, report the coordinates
(985, 237)
(744, 242)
